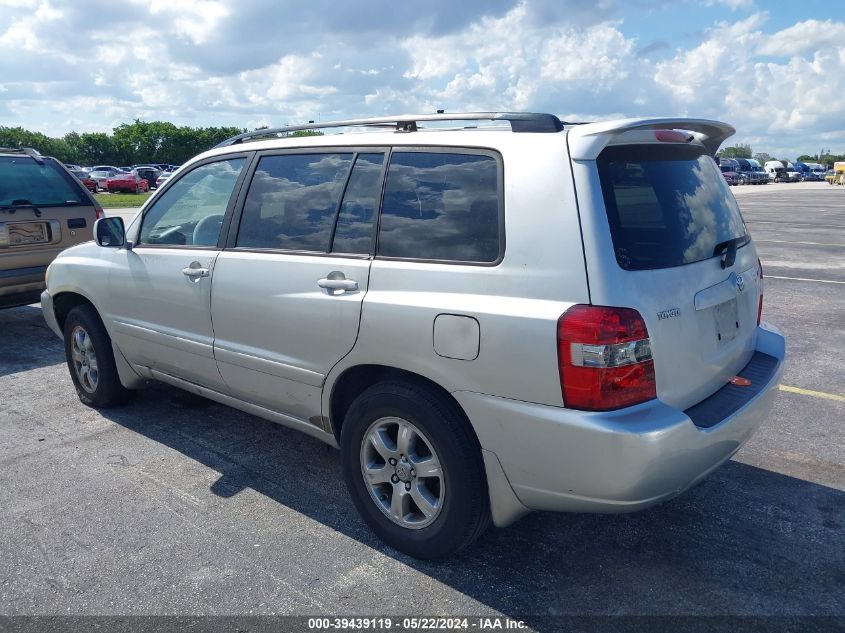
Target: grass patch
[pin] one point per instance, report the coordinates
(121, 200)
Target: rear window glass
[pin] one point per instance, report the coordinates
(441, 206)
(666, 205)
(22, 178)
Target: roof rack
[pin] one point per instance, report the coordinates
(28, 151)
(520, 122)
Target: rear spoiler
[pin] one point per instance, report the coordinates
(587, 141)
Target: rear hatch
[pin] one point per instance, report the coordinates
(43, 210)
(666, 238)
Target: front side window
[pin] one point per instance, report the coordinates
(441, 206)
(293, 200)
(191, 211)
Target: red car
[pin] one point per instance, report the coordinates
(129, 182)
(85, 178)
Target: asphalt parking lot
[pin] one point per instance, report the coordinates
(176, 505)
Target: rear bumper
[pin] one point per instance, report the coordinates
(21, 286)
(616, 461)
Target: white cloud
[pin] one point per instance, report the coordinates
(803, 37)
(732, 4)
(215, 62)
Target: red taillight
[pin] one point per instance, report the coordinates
(671, 136)
(760, 288)
(604, 357)
(100, 214)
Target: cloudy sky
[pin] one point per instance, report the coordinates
(775, 70)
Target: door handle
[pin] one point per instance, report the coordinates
(195, 271)
(337, 281)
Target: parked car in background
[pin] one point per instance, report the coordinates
(818, 169)
(163, 177)
(775, 171)
(102, 177)
(357, 287)
(43, 210)
(72, 167)
(150, 174)
(806, 173)
(86, 179)
(106, 168)
(730, 171)
(128, 182)
(751, 172)
(792, 174)
(757, 168)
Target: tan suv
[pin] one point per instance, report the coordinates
(43, 210)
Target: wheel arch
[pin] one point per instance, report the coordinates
(355, 379)
(64, 302)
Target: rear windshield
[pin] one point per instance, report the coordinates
(666, 205)
(23, 179)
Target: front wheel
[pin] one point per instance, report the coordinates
(414, 470)
(90, 359)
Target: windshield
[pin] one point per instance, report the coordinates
(666, 205)
(44, 185)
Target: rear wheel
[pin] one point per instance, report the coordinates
(90, 359)
(414, 470)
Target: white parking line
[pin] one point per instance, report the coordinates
(821, 281)
(791, 242)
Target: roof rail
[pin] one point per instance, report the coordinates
(520, 122)
(33, 154)
(28, 151)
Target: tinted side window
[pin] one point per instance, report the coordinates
(191, 212)
(441, 206)
(292, 201)
(354, 232)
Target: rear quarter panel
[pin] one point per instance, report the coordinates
(516, 302)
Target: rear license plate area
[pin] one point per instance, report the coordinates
(726, 320)
(25, 233)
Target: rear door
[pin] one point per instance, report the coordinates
(288, 288)
(667, 238)
(43, 210)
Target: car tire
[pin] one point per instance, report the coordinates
(96, 188)
(97, 383)
(453, 509)
(137, 189)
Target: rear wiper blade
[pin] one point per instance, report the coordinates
(21, 204)
(727, 249)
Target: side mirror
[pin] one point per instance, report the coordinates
(110, 232)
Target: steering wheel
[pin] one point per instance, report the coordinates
(207, 230)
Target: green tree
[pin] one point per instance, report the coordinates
(736, 151)
(762, 157)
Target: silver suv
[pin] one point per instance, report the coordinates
(514, 314)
